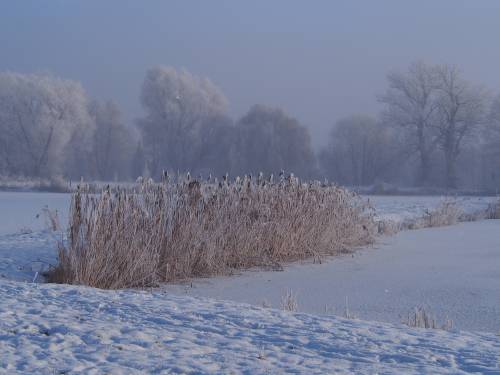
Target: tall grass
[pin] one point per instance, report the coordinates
(421, 318)
(493, 211)
(447, 213)
(289, 301)
(176, 230)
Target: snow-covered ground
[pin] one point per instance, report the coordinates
(26, 244)
(409, 208)
(24, 256)
(47, 329)
(53, 329)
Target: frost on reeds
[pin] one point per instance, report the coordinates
(493, 211)
(190, 228)
(289, 301)
(447, 213)
(421, 318)
(51, 219)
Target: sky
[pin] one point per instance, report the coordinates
(318, 60)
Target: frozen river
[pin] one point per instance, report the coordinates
(454, 272)
(22, 211)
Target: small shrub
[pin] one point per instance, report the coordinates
(388, 227)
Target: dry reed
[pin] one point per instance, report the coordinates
(421, 318)
(289, 301)
(190, 228)
(447, 213)
(493, 211)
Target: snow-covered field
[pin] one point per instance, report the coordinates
(47, 329)
(408, 208)
(52, 329)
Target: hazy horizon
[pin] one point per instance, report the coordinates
(319, 61)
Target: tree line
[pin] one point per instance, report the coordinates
(436, 129)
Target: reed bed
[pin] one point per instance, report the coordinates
(163, 232)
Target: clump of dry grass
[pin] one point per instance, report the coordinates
(493, 211)
(389, 227)
(421, 318)
(289, 301)
(176, 230)
(447, 213)
(51, 219)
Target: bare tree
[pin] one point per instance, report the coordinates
(218, 137)
(176, 103)
(490, 148)
(38, 116)
(360, 151)
(112, 144)
(411, 102)
(461, 109)
(269, 140)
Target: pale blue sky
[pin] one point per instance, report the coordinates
(319, 60)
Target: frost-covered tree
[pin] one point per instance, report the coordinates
(216, 155)
(112, 144)
(461, 111)
(411, 102)
(139, 167)
(490, 148)
(360, 151)
(269, 140)
(39, 115)
(176, 103)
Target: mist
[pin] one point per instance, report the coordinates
(250, 187)
(319, 64)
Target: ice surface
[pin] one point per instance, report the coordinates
(22, 211)
(454, 272)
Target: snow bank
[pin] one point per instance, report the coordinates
(48, 329)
